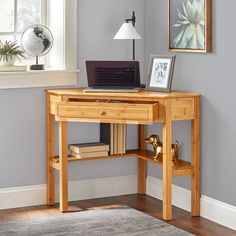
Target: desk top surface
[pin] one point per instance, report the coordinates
(142, 94)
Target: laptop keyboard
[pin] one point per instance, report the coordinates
(105, 73)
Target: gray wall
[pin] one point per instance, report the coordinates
(99, 20)
(22, 120)
(22, 138)
(211, 75)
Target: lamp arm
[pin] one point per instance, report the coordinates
(133, 19)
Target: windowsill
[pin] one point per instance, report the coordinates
(46, 71)
(34, 79)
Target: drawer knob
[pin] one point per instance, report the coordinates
(103, 113)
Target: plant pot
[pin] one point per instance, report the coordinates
(9, 62)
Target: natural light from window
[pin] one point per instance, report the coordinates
(60, 16)
(16, 16)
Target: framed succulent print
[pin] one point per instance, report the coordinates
(190, 25)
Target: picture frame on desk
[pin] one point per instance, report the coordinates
(160, 73)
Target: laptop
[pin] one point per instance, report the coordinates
(113, 76)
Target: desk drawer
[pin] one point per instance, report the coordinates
(108, 112)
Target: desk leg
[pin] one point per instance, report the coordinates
(196, 160)
(50, 154)
(167, 168)
(142, 164)
(63, 179)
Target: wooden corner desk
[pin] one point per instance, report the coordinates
(145, 107)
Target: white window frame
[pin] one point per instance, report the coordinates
(43, 19)
(66, 72)
(66, 33)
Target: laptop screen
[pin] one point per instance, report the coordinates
(113, 73)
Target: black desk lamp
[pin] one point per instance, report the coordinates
(128, 31)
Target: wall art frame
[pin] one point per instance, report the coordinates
(190, 25)
(160, 73)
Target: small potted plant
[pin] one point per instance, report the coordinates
(9, 53)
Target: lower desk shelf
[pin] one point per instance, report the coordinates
(181, 168)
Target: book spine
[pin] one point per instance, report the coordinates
(115, 139)
(105, 133)
(88, 149)
(111, 139)
(115, 136)
(74, 149)
(91, 154)
(107, 136)
(124, 138)
(120, 138)
(12, 68)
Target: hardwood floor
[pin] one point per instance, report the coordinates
(146, 204)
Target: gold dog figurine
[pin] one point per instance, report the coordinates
(154, 140)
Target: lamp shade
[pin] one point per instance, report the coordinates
(127, 31)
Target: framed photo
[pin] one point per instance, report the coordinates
(190, 25)
(160, 73)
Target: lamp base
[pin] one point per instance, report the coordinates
(37, 67)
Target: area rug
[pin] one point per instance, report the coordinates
(122, 221)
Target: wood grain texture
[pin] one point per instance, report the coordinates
(182, 109)
(63, 175)
(120, 112)
(54, 99)
(181, 168)
(167, 170)
(142, 176)
(135, 108)
(142, 132)
(143, 95)
(142, 164)
(208, 28)
(50, 153)
(196, 160)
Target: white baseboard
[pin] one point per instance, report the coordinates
(211, 209)
(219, 212)
(78, 190)
(22, 196)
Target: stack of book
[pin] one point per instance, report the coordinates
(115, 136)
(86, 150)
(13, 68)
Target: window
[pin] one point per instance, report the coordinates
(17, 15)
(60, 16)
